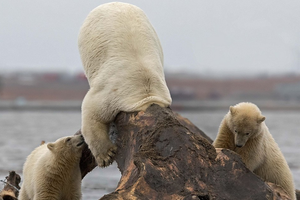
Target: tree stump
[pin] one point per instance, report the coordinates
(163, 156)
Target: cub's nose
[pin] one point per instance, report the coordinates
(239, 146)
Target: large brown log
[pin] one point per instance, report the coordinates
(163, 156)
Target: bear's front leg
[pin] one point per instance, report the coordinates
(96, 136)
(95, 133)
(45, 196)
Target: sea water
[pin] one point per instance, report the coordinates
(22, 131)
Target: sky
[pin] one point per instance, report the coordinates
(197, 36)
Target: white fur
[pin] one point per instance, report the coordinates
(123, 61)
(53, 174)
(259, 150)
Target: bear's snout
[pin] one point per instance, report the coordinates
(239, 146)
(81, 141)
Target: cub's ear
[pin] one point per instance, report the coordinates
(232, 110)
(261, 119)
(50, 146)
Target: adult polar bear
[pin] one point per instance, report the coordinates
(123, 62)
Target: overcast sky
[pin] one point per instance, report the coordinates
(208, 37)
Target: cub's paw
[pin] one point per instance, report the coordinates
(105, 160)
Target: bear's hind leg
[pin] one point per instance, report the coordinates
(95, 132)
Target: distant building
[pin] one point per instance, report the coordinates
(63, 87)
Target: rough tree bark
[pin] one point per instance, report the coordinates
(163, 156)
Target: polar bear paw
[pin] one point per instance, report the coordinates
(104, 160)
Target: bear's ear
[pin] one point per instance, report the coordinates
(232, 110)
(50, 146)
(260, 119)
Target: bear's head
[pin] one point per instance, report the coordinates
(245, 122)
(69, 147)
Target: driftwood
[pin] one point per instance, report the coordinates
(162, 155)
(11, 188)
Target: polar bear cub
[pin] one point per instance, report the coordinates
(52, 171)
(123, 62)
(244, 131)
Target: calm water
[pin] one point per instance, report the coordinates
(21, 132)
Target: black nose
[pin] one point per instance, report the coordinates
(239, 146)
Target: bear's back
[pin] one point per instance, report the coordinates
(36, 155)
(31, 167)
(118, 32)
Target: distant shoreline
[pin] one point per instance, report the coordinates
(191, 106)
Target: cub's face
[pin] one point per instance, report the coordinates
(244, 126)
(66, 146)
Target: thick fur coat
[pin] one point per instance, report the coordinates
(244, 131)
(52, 172)
(123, 62)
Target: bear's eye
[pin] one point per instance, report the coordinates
(235, 131)
(68, 139)
(247, 133)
